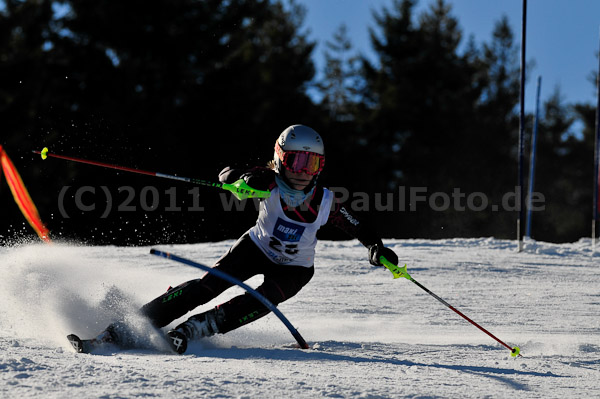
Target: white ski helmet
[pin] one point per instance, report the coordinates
(299, 149)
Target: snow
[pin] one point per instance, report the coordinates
(371, 336)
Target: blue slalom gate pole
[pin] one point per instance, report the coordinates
(596, 157)
(532, 158)
(247, 288)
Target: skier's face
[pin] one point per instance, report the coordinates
(299, 181)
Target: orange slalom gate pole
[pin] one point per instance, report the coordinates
(22, 197)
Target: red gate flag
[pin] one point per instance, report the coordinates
(22, 197)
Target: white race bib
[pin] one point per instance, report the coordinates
(286, 241)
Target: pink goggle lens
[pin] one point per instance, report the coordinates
(301, 161)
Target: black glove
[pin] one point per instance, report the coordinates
(230, 175)
(377, 250)
(259, 178)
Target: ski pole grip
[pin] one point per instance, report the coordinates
(241, 190)
(396, 270)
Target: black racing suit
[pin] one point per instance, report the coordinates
(245, 260)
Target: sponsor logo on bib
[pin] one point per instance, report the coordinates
(287, 231)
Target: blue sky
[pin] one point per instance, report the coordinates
(562, 36)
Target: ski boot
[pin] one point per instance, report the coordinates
(198, 326)
(122, 335)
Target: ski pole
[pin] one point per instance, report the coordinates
(401, 272)
(239, 189)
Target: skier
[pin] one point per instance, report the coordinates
(280, 246)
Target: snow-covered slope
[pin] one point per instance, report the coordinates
(371, 336)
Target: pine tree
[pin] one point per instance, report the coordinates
(342, 82)
(190, 85)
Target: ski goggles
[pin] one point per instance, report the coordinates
(301, 161)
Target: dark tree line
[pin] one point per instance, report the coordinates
(187, 87)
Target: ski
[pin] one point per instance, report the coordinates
(89, 345)
(76, 343)
(176, 340)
